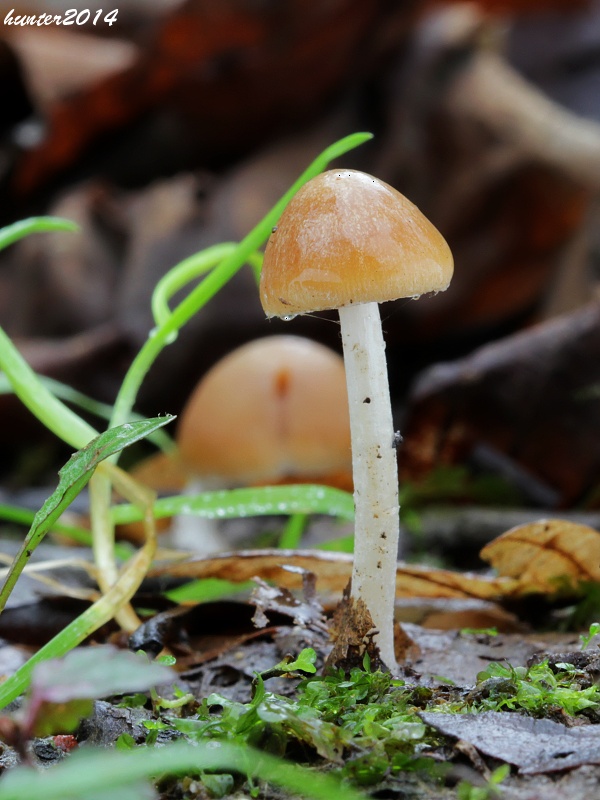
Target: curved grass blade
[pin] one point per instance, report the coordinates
(88, 772)
(44, 405)
(72, 479)
(18, 230)
(92, 618)
(217, 278)
(25, 516)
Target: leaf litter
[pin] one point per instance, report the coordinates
(446, 670)
(449, 662)
(532, 745)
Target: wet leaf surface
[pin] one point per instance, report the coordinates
(458, 656)
(201, 633)
(95, 672)
(62, 690)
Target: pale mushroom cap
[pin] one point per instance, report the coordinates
(274, 408)
(347, 237)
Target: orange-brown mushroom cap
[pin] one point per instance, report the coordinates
(347, 237)
(274, 408)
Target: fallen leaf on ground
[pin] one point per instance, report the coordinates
(533, 745)
(332, 571)
(547, 555)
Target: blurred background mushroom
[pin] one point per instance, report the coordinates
(274, 410)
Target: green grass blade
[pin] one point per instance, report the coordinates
(72, 479)
(56, 416)
(253, 502)
(25, 516)
(206, 590)
(90, 771)
(216, 279)
(18, 230)
(292, 532)
(77, 631)
(86, 403)
(344, 544)
(186, 271)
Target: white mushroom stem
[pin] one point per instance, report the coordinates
(199, 535)
(374, 466)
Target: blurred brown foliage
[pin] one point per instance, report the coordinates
(180, 125)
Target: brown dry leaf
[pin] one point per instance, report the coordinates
(528, 400)
(421, 581)
(484, 617)
(202, 72)
(333, 571)
(201, 632)
(547, 555)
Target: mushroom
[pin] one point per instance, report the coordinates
(349, 241)
(273, 410)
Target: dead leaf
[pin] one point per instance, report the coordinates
(546, 556)
(478, 618)
(533, 745)
(529, 397)
(333, 571)
(35, 624)
(204, 66)
(422, 581)
(202, 632)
